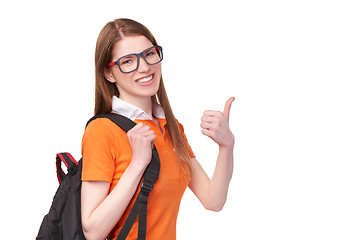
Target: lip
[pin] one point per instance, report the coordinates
(145, 83)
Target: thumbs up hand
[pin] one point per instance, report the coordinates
(215, 124)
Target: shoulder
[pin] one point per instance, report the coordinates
(103, 130)
(102, 126)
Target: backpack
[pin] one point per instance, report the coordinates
(63, 221)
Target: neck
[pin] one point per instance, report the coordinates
(144, 103)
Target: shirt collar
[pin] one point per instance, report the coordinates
(132, 112)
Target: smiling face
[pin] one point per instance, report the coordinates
(143, 82)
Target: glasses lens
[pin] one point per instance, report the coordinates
(153, 55)
(128, 63)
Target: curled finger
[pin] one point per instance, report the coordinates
(206, 125)
(207, 118)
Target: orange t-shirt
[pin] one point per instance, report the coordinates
(107, 153)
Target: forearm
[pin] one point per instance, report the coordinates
(104, 217)
(219, 183)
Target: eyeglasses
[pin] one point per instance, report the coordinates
(130, 63)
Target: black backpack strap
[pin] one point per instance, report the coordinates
(123, 122)
(140, 206)
(151, 175)
(69, 162)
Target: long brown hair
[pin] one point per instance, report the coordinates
(111, 33)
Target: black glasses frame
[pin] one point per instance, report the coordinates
(138, 55)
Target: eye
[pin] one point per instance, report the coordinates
(126, 62)
(149, 54)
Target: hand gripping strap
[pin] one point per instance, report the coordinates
(151, 175)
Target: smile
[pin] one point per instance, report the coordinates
(146, 79)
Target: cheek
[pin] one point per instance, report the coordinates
(158, 70)
(122, 78)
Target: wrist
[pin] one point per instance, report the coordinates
(136, 167)
(226, 148)
(229, 144)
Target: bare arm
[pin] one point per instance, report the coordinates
(212, 193)
(100, 211)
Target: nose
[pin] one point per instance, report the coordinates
(143, 66)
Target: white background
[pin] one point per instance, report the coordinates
(293, 66)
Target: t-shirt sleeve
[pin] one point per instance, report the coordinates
(98, 152)
(187, 145)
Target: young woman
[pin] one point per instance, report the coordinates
(129, 82)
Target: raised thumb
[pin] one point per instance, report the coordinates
(227, 107)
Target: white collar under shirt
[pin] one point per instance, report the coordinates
(132, 112)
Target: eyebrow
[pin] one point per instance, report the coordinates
(135, 53)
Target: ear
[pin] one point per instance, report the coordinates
(109, 76)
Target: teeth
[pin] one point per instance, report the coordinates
(145, 79)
